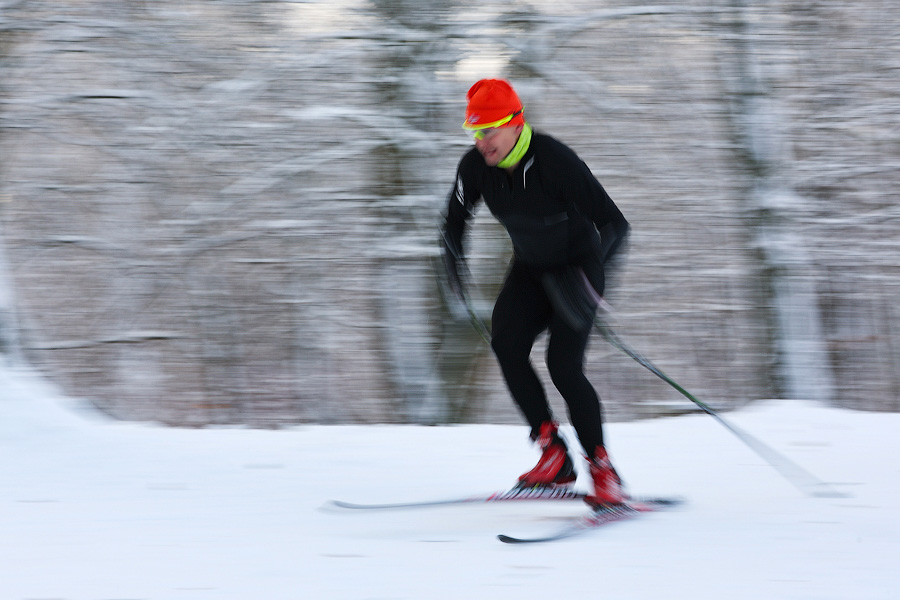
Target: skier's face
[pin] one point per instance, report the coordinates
(495, 144)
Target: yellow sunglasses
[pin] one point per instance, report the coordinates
(489, 129)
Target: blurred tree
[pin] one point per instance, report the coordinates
(225, 212)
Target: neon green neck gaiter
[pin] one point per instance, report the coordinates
(518, 150)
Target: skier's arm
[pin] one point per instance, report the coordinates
(592, 200)
(460, 209)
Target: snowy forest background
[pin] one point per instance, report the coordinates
(225, 211)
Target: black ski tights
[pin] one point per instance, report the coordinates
(521, 313)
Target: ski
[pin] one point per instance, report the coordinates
(597, 518)
(514, 494)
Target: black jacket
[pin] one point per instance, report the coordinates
(556, 212)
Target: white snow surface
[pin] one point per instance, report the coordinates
(93, 509)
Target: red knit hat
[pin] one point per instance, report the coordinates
(493, 103)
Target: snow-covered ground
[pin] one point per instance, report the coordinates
(94, 510)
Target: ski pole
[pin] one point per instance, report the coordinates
(802, 479)
(462, 293)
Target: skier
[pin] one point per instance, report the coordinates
(564, 229)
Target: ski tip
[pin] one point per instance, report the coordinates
(334, 505)
(340, 505)
(657, 502)
(508, 539)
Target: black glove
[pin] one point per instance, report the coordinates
(454, 266)
(572, 296)
(456, 272)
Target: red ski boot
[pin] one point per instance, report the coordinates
(554, 468)
(607, 484)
